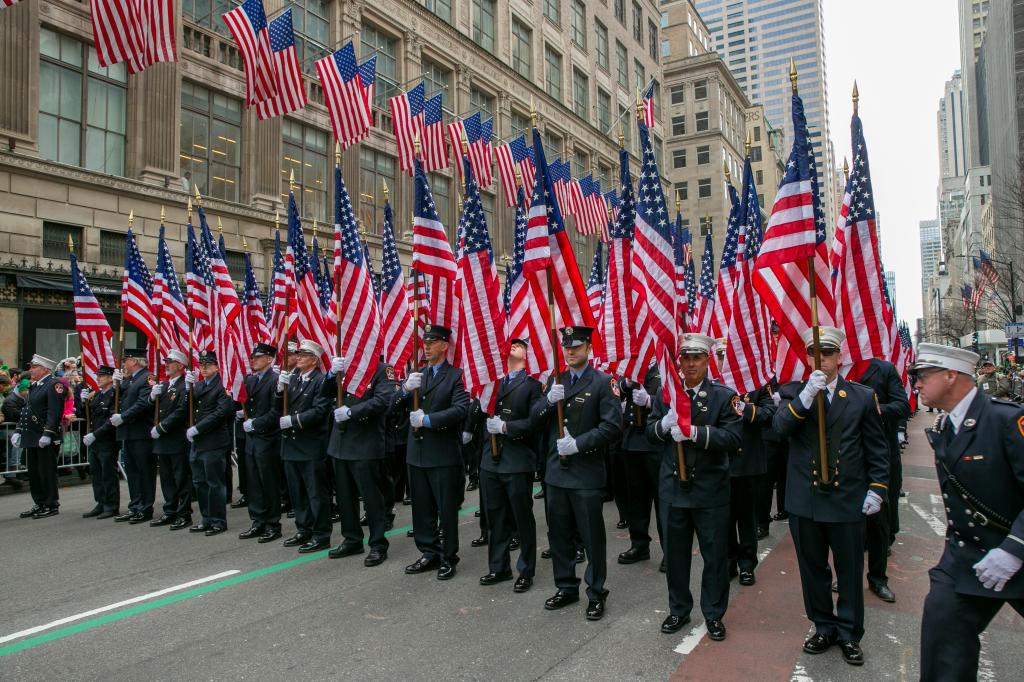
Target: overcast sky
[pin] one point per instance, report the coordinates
(901, 52)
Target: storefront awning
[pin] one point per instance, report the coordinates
(60, 283)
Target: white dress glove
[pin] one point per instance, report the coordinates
(44, 441)
(815, 383)
(240, 415)
(86, 394)
(247, 426)
(996, 568)
(640, 397)
(495, 425)
(116, 419)
(413, 381)
(338, 365)
(285, 422)
(157, 389)
(416, 419)
(669, 420)
(16, 439)
(190, 378)
(776, 398)
(282, 381)
(872, 503)
(342, 414)
(191, 433)
(466, 437)
(154, 433)
(118, 375)
(556, 393)
(88, 439)
(566, 445)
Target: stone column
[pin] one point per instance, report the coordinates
(154, 120)
(261, 161)
(19, 75)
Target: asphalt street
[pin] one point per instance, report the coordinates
(221, 608)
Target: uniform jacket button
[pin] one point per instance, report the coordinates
(960, 543)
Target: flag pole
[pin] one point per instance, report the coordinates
(191, 333)
(416, 433)
(156, 356)
(287, 307)
(337, 290)
(120, 334)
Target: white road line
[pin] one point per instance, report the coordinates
(931, 519)
(112, 607)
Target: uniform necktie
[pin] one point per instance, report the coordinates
(692, 393)
(572, 382)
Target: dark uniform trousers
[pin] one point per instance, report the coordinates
(824, 522)
(509, 500)
(172, 450)
(742, 530)
(746, 467)
(310, 496)
(42, 474)
(211, 448)
(701, 506)
(773, 483)
(642, 463)
(355, 478)
(986, 454)
(435, 491)
(139, 460)
(176, 483)
(211, 488)
(303, 450)
(103, 469)
(575, 492)
(262, 451)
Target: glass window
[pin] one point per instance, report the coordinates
(622, 64)
(111, 248)
(442, 8)
(55, 239)
(755, 153)
(703, 155)
(652, 39)
(207, 13)
(620, 11)
(374, 42)
(553, 73)
(704, 188)
(681, 190)
(440, 187)
(678, 125)
(483, 24)
(601, 44)
(700, 89)
(579, 23)
(679, 158)
(702, 121)
(676, 92)
(553, 11)
(310, 22)
(552, 143)
(437, 79)
(580, 163)
(374, 167)
(706, 222)
(210, 146)
(82, 106)
(757, 133)
(666, 48)
(638, 23)
(581, 94)
(305, 151)
(604, 111)
(235, 260)
(521, 125)
(759, 178)
(639, 76)
(522, 51)
(481, 101)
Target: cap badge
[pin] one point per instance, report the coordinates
(969, 423)
(842, 393)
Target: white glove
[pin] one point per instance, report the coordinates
(567, 445)
(901, 437)
(640, 397)
(669, 420)
(872, 503)
(191, 433)
(815, 383)
(86, 394)
(88, 439)
(677, 434)
(190, 378)
(16, 440)
(338, 365)
(776, 398)
(154, 433)
(240, 415)
(282, 381)
(118, 375)
(996, 568)
(285, 422)
(466, 437)
(556, 393)
(495, 425)
(116, 419)
(247, 426)
(416, 419)
(44, 441)
(342, 414)
(414, 381)
(157, 389)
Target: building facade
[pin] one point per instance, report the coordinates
(86, 145)
(930, 240)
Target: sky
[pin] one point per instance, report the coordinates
(901, 53)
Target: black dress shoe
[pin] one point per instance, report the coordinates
(269, 535)
(479, 542)
(410, 533)
(181, 522)
(716, 630)
(363, 521)
(422, 565)
(546, 554)
(32, 512)
(595, 609)
(473, 485)
(580, 556)
(375, 557)
(664, 566)
(240, 502)
(674, 624)
(121, 518)
(762, 532)
(539, 495)
(780, 516)
(883, 592)
(495, 578)
(476, 514)
(523, 584)
(561, 600)
(43, 513)
(215, 530)
(164, 520)
(406, 501)
(633, 555)
(252, 532)
(290, 514)
(622, 524)
(346, 549)
(747, 578)
(514, 543)
(315, 546)
(296, 540)
(198, 528)
(140, 518)
(92, 513)
(835, 587)
(852, 653)
(818, 644)
(106, 515)
(446, 571)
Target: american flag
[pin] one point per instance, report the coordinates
(291, 92)
(649, 105)
(255, 329)
(310, 323)
(373, 275)
(201, 334)
(94, 333)
(512, 156)
(706, 294)
(136, 32)
(592, 214)
(856, 263)
(7, 3)
(227, 297)
(368, 80)
(457, 131)
(168, 302)
(612, 199)
(359, 327)
(595, 283)
(747, 365)
(279, 294)
(616, 317)
(225, 335)
(137, 291)
(407, 119)
(728, 268)
(988, 271)
(528, 306)
(979, 282)
(248, 25)
(681, 249)
(432, 256)
(435, 151)
(421, 305)
(691, 283)
(796, 233)
(344, 96)
(559, 174)
(395, 310)
(967, 296)
(482, 319)
(486, 146)
(479, 159)
(574, 202)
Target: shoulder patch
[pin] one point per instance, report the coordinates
(1020, 426)
(615, 387)
(389, 373)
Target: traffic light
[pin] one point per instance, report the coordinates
(974, 342)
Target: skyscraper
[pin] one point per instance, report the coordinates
(931, 253)
(952, 129)
(757, 38)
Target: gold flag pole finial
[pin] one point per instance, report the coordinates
(220, 226)
(71, 244)
(519, 175)
(277, 220)
(163, 214)
(131, 218)
(639, 105)
(189, 209)
(728, 175)
(608, 207)
(337, 154)
(417, 145)
(846, 169)
(314, 228)
(792, 74)
(291, 181)
(464, 143)
(749, 144)
(199, 199)
(622, 136)
(533, 111)
(856, 96)
(384, 187)
(707, 222)
(679, 206)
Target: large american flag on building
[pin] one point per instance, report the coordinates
(136, 32)
(435, 151)
(248, 25)
(94, 333)
(395, 308)
(512, 157)
(291, 91)
(407, 119)
(528, 306)
(368, 81)
(344, 95)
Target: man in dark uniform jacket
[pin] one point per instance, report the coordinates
(303, 449)
(102, 443)
(506, 474)
(433, 455)
(979, 456)
(170, 445)
(39, 433)
(773, 483)
(262, 446)
(575, 474)
(826, 512)
(642, 461)
(133, 421)
(881, 376)
(210, 436)
(356, 448)
(700, 504)
(747, 466)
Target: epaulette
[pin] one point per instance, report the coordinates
(1009, 403)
